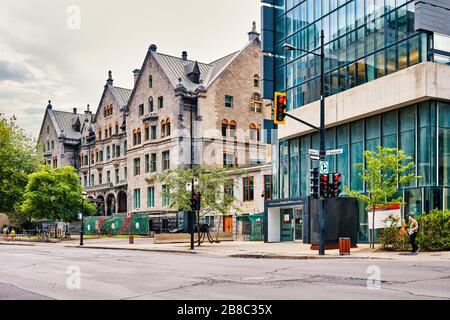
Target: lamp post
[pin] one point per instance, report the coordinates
(83, 197)
(321, 129)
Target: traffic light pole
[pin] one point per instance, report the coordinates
(321, 129)
(192, 213)
(322, 152)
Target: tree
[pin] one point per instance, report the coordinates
(18, 158)
(54, 195)
(210, 183)
(384, 171)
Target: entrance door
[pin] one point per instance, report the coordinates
(298, 215)
(228, 224)
(286, 223)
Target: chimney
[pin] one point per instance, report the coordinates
(110, 80)
(87, 112)
(153, 48)
(252, 35)
(136, 75)
(184, 55)
(74, 110)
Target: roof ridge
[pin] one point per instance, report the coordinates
(172, 56)
(215, 61)
(122, 88)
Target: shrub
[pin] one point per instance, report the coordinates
(394, 238)
(434, 231)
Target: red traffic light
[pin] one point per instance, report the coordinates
(337, 177)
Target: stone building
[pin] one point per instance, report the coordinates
(103, 142)
(220, 101)
(136, 134)
(60, 136)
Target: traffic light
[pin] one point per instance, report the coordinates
(280, 108)
(314, 183)
(324, 186)
(196, 201)
(336, 185)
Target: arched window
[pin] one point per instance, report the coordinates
(163, 128)
(53, 145)
(150, 82)
(134, 137)
(106, 133)
(252, 131)
(110, 130)
(168, 127)
(117, 127)
(48, 145)
(139, 136)
(150, 104)
(224, 127)
(99, 134)
(232, 129)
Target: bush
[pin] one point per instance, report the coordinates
(434, 231)
(394, 238)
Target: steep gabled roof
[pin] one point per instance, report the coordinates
(62, 122)
(121, 95)
(176, 68)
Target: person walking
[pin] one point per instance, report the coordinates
(413, 231)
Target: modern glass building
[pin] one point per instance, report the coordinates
(382, 58)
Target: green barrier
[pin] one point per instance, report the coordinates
(116, 225)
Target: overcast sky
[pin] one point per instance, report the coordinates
(62, 50)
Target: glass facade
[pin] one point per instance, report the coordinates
(412, 128)
(364, 40)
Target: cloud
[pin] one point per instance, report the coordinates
(14, 72)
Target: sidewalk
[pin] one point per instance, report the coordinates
(284, 250)
(260, 250)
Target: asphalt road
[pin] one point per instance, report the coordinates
(51, 272)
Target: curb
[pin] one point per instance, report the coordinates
(23, 244)
(304, 257)
(134, 249)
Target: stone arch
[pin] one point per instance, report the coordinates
(122, 202)
(110, 204)
(100, 201)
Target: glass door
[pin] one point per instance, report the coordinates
(298, 214)
(286, 225)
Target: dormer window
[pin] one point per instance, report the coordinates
(256, 81)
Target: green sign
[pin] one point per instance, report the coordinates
(324, 167)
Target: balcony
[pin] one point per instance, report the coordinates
(99, 187)
(48, 154)
(122, 183)
(151, 117)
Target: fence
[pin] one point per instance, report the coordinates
(116, 225)
(250, 227)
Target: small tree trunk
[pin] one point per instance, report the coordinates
(373, 228)
(218, 229)
(198, 229)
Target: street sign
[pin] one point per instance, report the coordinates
(315, 157)
(334, 152)
(323, 167)
(314, 152)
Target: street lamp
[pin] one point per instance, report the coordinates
(322, 152)
(83, 197)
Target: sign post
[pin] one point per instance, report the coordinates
(131, 238)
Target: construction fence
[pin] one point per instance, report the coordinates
(117, 225)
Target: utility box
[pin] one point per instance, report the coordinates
(341, 221)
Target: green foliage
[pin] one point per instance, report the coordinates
(394, 238)
(54, 194)
(211, 181)
(18, 158)
(383, 172)
(434, 231)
